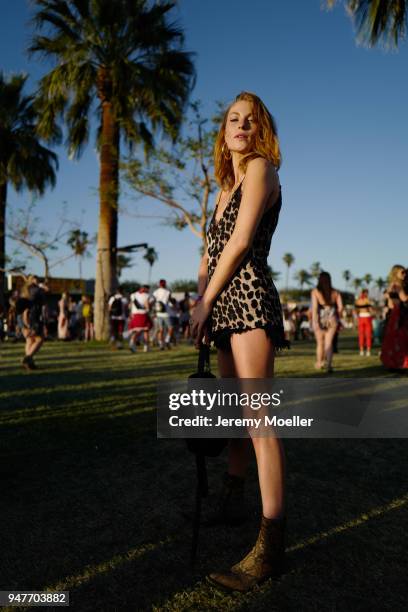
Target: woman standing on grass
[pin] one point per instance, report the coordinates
(396, 279)
(394, 349)
(239, 308)
(63, 317)
(88, 316)
(364, 311)
(30, 308)
(327, 307)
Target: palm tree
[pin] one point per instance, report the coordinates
(24, 162)
(79, 242)
(380, 283)
(123, 262)
(357, 282)
(304, 278)
(347, 277)
(123, 61)
(378, 19)
(315, 269)
(288, 259)
(367, 279)
(151, 257)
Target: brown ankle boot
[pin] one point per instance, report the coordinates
(265, 560)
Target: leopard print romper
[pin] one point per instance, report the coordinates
(249, 300)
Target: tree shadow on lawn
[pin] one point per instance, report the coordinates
(51, 379)
(79, 510)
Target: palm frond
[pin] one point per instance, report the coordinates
(376, 20)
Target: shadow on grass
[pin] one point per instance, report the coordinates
(109, 518)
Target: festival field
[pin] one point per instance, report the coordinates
(91, 501)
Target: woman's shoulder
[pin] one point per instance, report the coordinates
(261, 170)
(261, 166)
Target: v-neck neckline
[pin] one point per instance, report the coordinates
(216, 222)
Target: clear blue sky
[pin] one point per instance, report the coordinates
(341, 111)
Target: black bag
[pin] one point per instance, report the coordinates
(116, 309)
(202, 448)
(159, 306)
(209, 447)
(138, 305)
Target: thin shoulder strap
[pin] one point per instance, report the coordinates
(232, 194)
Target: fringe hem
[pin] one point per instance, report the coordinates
(222, 337)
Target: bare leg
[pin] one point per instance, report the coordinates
(328, 345)
(133, 339)
(29, 343)
(253, 354)
(319, 335)
(146, 340)
(35, 346)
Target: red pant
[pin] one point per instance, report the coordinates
(365, 330)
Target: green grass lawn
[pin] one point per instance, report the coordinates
(91, 501)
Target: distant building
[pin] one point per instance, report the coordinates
(73, 286)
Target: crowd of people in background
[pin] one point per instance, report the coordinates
(149, 318)
(145, 317)
(139, 318)
(381, 323)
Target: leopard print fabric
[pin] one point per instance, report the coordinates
(250, 299)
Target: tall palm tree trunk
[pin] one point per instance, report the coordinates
(3, 202)
(108, 220)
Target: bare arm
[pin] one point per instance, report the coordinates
(339, 303)
(261, 179)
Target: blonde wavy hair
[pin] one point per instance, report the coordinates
(393, 275)
(266, 143)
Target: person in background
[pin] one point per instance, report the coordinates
(396, 279)
(87, 313)
(327, 307)
(162, 297)
(79, 319)
(173, 310)
(364, 311)
(117, 314)
(304, 323)
(30, 307)
(394, 350)
(140, 321)
(12, 327)
(63, 316)
(378, 326)
(288, 325)
(185, 307)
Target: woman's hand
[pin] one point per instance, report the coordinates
(198, 319)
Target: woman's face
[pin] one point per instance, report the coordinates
(401, 274)
(240, 127)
